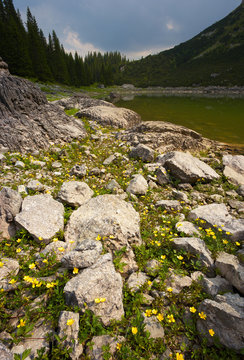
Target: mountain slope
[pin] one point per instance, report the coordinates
(213, 57)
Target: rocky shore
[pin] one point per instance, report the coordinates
(119, 239)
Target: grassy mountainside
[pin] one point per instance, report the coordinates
(213, 57)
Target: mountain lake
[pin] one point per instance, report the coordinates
(217, 118)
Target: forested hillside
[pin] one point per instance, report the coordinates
(213, 57)
(29, 54)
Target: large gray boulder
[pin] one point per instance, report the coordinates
(196, 247)
(187, 168)
(217, 214)
(10, 205)
(100, 287)
(225, 316)
(28, 121)
(234, 168)
(212, 286)
(75, 193)
(111, 116)
(163, 137)
(110, 219)
(230, 267)
(41, 216)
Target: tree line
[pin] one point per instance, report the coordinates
(29, 54)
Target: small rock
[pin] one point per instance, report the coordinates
(162, 176)
(225, 316)
(10, 205)
(19, 164)
(230, 267)
(59, 248)
(196, 247)
(212, 286)
(152, 324)
(136, 280)
(98, 342)
(178, 282)
(187, 228)
(169, 205)
(79, 171)
(35, 185)
(75, 193)
(143, 152)
(138, 185)
(179, 195)
(5, 353)
(8, 267)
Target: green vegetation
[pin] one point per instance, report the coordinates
(213, 57)
(28, 53)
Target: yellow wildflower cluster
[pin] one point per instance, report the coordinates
(170, 318)
(21, 323)
(33, 281)
(50, 285)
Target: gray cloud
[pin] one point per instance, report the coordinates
(134, 27)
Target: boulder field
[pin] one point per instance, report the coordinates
(111, 248)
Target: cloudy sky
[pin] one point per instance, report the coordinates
(134, 27)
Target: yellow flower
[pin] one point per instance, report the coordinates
(1, 264)
(40, 238)
(45, 261)
(180, 257)
(21, 323)
(134, 330)
(202, 315)
(149, 282)
(55, 239)
(97, 300)
(237, 243)
(70, 322)
(171, 318)
(102, 299)
(163, 257)
(18, 250)
(75, 270)
(148, 313)
(12, 281)
(19, 240)
(169, 289)
(98, 237)
(192, 309)
(71, 241)
(225, 242)
(112, 237)
(211, 332)
(179, 356)
(7, 244)
(32, 266)
(118, 346)
(61, 249)
(160, 317)
(154, 311)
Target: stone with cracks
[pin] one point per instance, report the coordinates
(187, 168)
(28, 122)
(212, 286)
(143, 152)
(196, 247)
(234, 168)
(75, 193)
(84, 255)
(68, 325)
(111, 219)
(138, 185)
(111, 116)
(217, 214)
(162, 176)
(5, 353)
(96, 351)
(178, 282)
(164, 137)
(80, 101)
(41, 216)
(225, 315)
(59, 248)
(100, 287)
(230, 267)
(10, 205)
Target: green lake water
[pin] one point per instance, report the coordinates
(220, 119)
